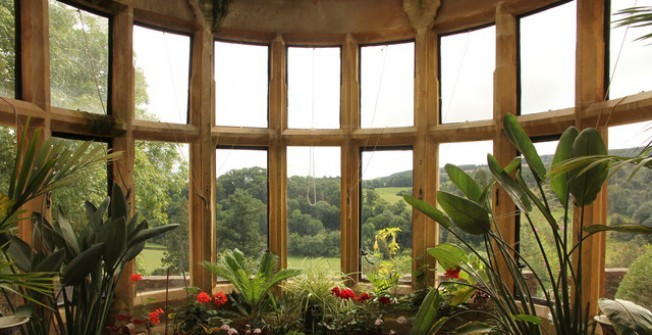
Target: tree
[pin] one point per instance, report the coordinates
(7, 48)
(240, 218)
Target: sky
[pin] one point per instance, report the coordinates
(468, 63)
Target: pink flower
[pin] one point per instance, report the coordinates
(257, 331)
(225, 327)
(203, 297)
(232, 331)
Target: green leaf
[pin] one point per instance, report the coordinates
(427, 313)
(466, 214)
(20, 253)
(474, 328)
(146, 234)
(627, 317)
(119, 207)
(65, 231)
(51, 263)
(82, 265)
(114, 236)
(513, 189)
(429, 210)
(635, 229)
(533, 319)
(586, 184)
(448, 255)
(559, 182)
(464, 182)
(523, 144)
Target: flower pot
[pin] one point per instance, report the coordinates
(11, 324)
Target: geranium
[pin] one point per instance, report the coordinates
(135, 277)
(347, 294)
(203, 297)
(219, 298)
(452, 273)
(385, 300)
(154, 316)
(364, 296)
(335, 291)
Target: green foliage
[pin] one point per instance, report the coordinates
(7, 48)
(637, 17)
(627, 317)
(253, 286)
(636, 285)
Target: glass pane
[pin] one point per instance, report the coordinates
(242, 200)
(314, 88)
(547, 59)
(528, 246)
(472, 158)
(161, 179)
(630, 68)
(7, 49)
(629, 256)
(386, 177)
(162, 62)
(93, 187)
(79, 58)
(241, 84)
(7, 156)
(387, 85)
(314, 229)
(468, 61)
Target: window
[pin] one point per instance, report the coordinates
(79, 59)
(629, 256)
(242, 200)
(314, 228)
(468, 61)
(7, 49)
(528, 247)
(470, 157)
(314, 88)
(241, 84)
(161, 182)
(162, 62)
(386, 219)
(387, 85)
(7, 156)
(93, 187)
(630, 69)
(547, 59)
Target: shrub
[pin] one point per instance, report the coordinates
(636, 285)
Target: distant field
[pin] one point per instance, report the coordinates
(307, 264)
(150, 258)
(389, 193)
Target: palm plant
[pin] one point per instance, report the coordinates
(253, 287)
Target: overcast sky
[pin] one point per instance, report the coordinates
(468, 63)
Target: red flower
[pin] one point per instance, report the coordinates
(219, 298)
(154, 316)
(203, 297)
(452, 273)
(135, 277)
(385, 300)
(347, 294)
(335, 291)
(364, 296)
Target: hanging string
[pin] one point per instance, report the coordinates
(88, 56)
(458, 73)
(311, 179)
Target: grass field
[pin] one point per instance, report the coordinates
(389, 193)
(307, 264)
(150, 258)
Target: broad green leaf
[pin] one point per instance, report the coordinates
(559, 182)
(533, 319)
(513, 189)
(119, 207)
(466, 214)
(427, 313)
(464, 182)
(474, 328)
(513, 165)
(82, 265)
(20, 254)
(627, 317)
(146, 234)
(448, 255)
(115, 240)
(523, 144)
(586, 185)
(537, 202)
(634, 229)
(429, 210)
(64, 229)
(462, 295)
(51, 263)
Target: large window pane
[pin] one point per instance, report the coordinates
(93, 187)
(242, 200)
(79, 66)
(472, 158)
(314, 88)
(7, 156)
(547, 59)
(630, 67)
(386, 218)
(241, 84)
(161, 179)
(162, 61)
(387, 85)
(629, 256)
(7, 49)
(314, 229)
(468, 61)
